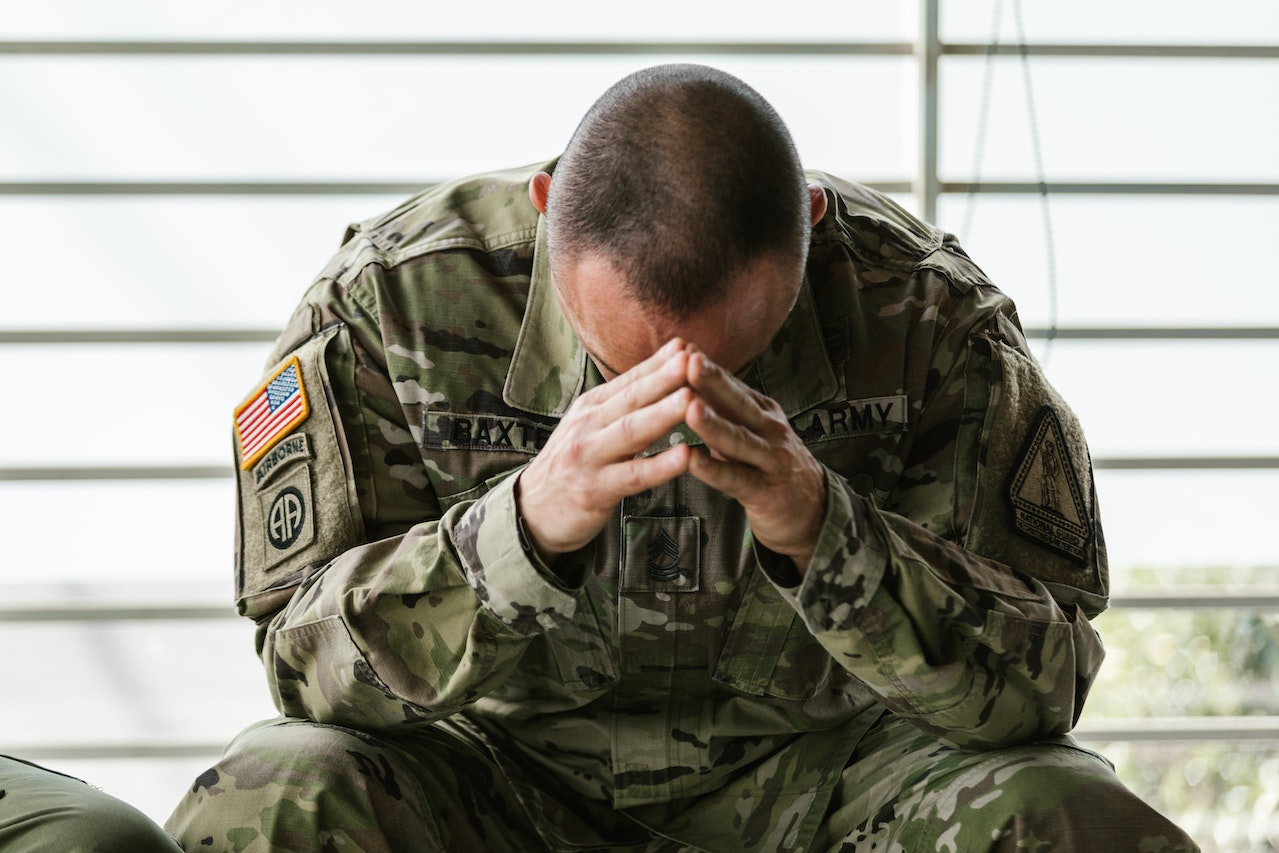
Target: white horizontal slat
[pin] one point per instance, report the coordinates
(1136, 21)
(137, 262)
(1112, 119)
(150, 261)
(83, 613)
(183, 531)
(391, 118)
(144, 404)
(127, 532)
(1124, 261)
(151, 681)
(1165, 398)
(1188, 519)
(500, 19)
(1181, 729)
(171, 404)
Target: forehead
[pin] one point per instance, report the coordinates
(620, 330)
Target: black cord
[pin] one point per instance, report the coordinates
(983, 120)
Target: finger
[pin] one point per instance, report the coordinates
(643, 385)
(653, 364)
(728, 395)
(637, 474)
(637, 430)
(729, 439)
(734, 479)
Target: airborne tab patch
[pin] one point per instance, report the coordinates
(1048, 502)
(271, 412)
(291, 449)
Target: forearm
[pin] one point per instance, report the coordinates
(416, 627)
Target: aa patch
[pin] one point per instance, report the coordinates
(270, 413)
(288, 511)
(1047, 500)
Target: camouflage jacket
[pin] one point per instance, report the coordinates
(958, 563)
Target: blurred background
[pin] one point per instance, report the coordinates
(173, 175)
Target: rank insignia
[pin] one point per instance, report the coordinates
(270, 413)
(663, 558)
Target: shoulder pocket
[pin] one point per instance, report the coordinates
(296, 500)
(1026, 465)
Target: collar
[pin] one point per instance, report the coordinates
(549, 367)
(795, 369)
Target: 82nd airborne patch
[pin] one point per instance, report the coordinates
(1048, 502)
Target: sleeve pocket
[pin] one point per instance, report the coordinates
(295, 498)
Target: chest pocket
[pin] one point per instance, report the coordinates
(767, 649)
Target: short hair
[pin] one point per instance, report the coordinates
(680, 176)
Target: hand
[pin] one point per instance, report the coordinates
(571, 488)
(756, 458)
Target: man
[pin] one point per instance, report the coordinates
(703, 511)
(42, 810)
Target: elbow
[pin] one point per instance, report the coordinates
(997, 713)
(1006, 733)
(1031, 691)
(316, 672)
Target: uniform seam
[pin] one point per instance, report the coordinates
(486, 245)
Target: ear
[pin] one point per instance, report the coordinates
(816, 200)
(540, 187)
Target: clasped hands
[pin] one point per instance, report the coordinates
(591, 461)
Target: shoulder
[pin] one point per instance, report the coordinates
(877, 229)
(486, 213)
(869, 249)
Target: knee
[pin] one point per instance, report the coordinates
(106, 825)
(61, 813)
(282, 785)
(1072, 800)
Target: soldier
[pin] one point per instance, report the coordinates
(43, 810)
(664, 498)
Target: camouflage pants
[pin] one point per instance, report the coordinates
(293, 785)
(905, 791)
(43, 810)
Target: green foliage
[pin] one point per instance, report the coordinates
(1206, 662)
(1172, 663)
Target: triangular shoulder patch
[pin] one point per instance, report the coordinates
(1048, 502)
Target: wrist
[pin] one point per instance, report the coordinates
(802, 550)
(542, 558)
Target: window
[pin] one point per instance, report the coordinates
(172, 177)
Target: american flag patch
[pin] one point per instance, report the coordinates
(268, 415)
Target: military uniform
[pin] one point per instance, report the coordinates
(673, 683)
